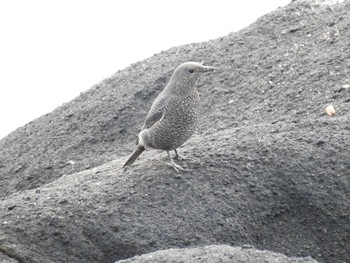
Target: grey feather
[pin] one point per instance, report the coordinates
(134, 156)
(156, 112)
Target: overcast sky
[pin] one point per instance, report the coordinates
(51, 51)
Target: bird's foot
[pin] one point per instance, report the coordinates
(176, 167)
(181, 157)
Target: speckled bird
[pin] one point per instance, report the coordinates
(173, 117)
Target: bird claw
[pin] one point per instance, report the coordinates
(178, 168)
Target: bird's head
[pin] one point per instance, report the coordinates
(188, 73)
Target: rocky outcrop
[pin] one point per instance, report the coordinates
(269, 167)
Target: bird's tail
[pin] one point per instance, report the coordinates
(134, 156)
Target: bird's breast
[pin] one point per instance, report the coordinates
(178, 124)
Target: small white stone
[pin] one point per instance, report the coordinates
(330, 110)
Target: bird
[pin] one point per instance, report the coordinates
(172, 118)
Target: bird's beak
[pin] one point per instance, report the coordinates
(209, 69)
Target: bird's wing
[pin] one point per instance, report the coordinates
(156, 112)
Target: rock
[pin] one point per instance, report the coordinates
(215, 254)
(5, 259)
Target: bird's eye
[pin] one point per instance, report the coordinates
(191, 70)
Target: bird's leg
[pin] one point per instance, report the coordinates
(174, 165)
(178, 156)
(181, 157)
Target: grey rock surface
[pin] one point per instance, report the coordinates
(215, 254)
(6, 259)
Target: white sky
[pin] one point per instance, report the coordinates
(51, 51)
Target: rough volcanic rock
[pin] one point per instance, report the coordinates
(215, 254)
(270, 168)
